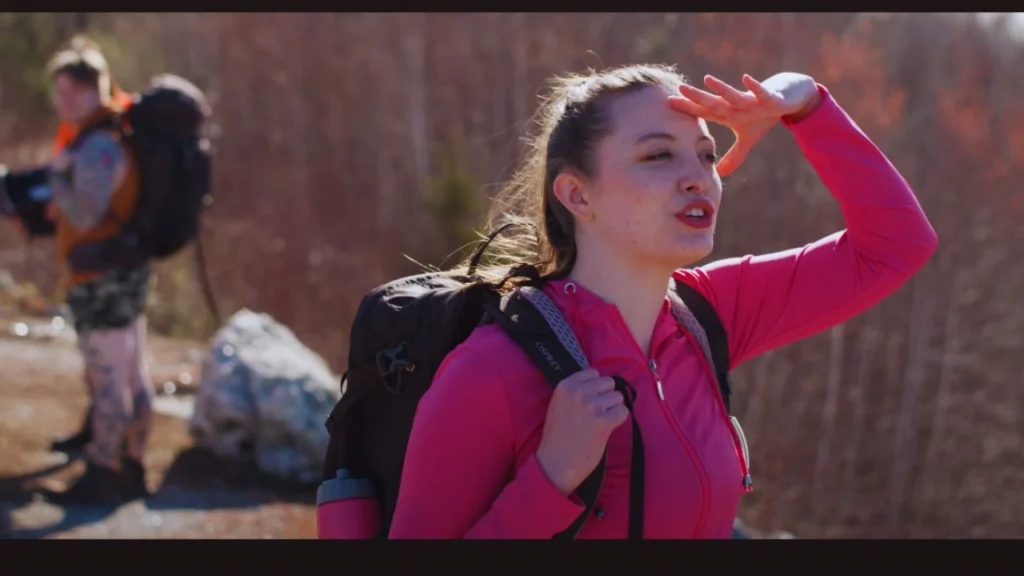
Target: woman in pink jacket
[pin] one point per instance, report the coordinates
(623, 189)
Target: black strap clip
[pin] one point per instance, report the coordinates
(627, 391)
(393, 361)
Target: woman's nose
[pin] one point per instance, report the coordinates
(695, 183)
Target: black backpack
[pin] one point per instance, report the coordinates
(162, 128)
(402, 332)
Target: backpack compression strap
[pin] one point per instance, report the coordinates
(690, 307)
(536, 324)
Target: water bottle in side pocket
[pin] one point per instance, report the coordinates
(347, 508)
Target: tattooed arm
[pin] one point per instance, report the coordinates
(83, 190)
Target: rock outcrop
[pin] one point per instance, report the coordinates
(264, 397)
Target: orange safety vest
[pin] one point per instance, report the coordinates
(66, 131)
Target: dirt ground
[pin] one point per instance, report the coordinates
(193, 495)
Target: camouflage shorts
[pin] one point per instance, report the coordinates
(113, 300)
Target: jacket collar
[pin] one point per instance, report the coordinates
(589, 314)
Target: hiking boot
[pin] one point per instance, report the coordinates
(99, 485)
(133, 479)
(76, 442)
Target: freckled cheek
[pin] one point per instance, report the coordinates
(636, 207)
(640, 220)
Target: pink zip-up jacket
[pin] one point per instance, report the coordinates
(470, 469)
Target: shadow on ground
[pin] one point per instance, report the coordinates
(73, 518)
(15, 491)
(6, 524)
(196, 480)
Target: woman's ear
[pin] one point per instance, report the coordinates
(574, 194)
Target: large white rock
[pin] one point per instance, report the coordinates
(263, 395)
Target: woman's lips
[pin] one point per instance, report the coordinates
(697, 214)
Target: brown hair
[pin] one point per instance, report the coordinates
(81, 59)
(539, 231)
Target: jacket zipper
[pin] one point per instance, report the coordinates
(687, 445)
(698, 465)
(739, 445)
(748, 483)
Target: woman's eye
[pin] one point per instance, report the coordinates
(709, 157)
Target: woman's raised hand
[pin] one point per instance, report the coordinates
(749, 114)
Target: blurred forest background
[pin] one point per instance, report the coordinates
(345, 141)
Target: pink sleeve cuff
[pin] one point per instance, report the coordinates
(541, 505)
(826, 111)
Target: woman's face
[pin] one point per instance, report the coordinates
(654, 193)
(73, 100)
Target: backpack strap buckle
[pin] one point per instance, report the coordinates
(391, 361)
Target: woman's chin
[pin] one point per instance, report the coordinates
(694, 246)
(678, 252)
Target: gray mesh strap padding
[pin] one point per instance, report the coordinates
(553, 316)
(683, 315)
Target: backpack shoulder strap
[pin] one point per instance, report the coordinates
(698, 316)
(536, 324)
(535, 320)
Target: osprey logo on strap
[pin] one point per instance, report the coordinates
(554, 319)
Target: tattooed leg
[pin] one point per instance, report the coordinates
(109, 355)
(140, 425)
(90, 387)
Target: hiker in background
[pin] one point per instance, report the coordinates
(94, 183)
(66, 131)
(26, 197)
(621, 191)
